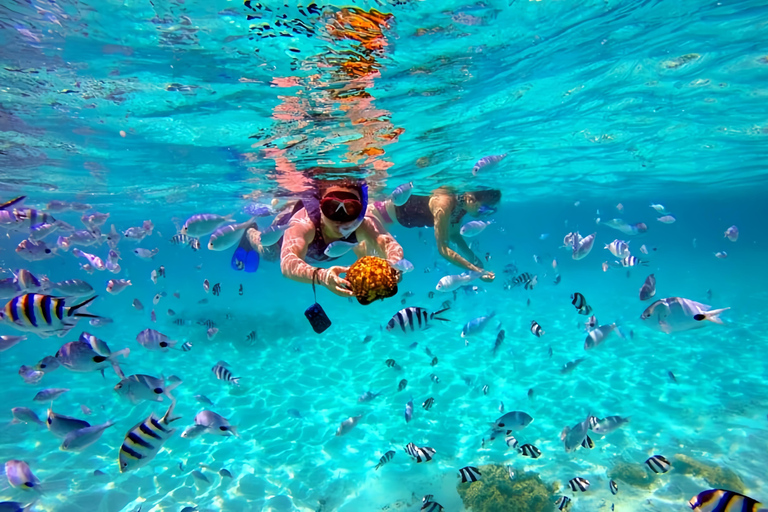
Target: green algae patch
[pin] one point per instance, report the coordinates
(716, 476)
(632, 474)
(496, 492)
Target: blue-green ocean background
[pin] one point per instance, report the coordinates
(595, 104)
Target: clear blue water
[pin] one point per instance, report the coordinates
(167, 109)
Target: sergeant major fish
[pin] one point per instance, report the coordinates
(42, 314)
(143, 442)
(414, 318)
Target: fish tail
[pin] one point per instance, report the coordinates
(435, 317)
(712, 316)
(168, 416)
(73, 309)
(122, 352)
(235, 381)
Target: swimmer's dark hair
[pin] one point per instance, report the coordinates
(327, 177)
(488, 197)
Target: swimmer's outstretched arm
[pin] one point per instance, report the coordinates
(441, 210)
(296, 239)
(373, 232)
(468, 253)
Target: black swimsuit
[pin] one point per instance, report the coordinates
(316, 249)
(415, 213)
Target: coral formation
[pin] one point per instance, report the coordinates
(372, 278)
(716, 476)
(632, 474)
(496, 492)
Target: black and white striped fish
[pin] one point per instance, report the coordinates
(402, 384)
(614, 487)
(511, 442)
(563, 502)
(186, 346)
(143, 441)
(42, 314)
(528, 450)
(434, 378)
(385, 458)
(536, 329)
(526, 279)
(579, 484)
(434, 361)
(179, 321)
(486, 389)
(217, 289)
(580, 303)
(421, 454)
(631, 261)
(469, 474)
(251, 336)
(222, 373)
(208, 323)
(413, 319)
(391, 363)
(180, 239)
(499, 340)
(431, 506)
(658, 464)
(428, 403)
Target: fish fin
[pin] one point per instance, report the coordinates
(712, 315)
(235, 381)
(170, 388)
(234, 431)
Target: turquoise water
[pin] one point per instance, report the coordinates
(163, 110)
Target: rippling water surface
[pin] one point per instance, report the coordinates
(161, 110)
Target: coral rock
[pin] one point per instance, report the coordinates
(372, 278)
(495, 492)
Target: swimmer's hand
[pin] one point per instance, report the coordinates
(335, 283)
(488, 277)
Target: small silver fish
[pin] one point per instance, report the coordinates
(25, 415)
(49, 395)
(348, 425)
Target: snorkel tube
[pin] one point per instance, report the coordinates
(350, 227)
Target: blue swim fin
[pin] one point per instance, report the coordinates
(245, 256)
